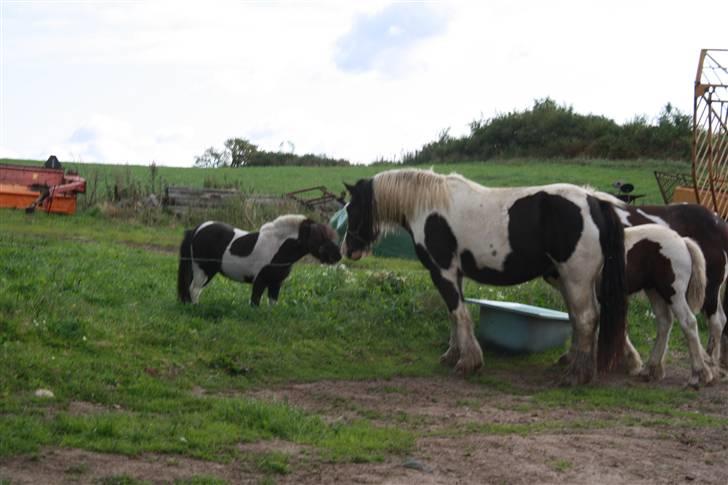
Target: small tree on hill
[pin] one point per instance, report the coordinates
(241, 151)
(213, 159)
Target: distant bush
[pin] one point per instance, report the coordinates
(549, 130)
(239, 152)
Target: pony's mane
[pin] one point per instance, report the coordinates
(328, 231)
(285, 224)
(403, 193)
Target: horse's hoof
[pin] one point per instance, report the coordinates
(581, 369)
(700, 377)
(451, 357)
(652, 373)
(706, 377)
(466, 367)
(564, 360)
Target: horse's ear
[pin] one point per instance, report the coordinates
(350, 188)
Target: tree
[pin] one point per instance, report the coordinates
(240, 151)
(212, 159)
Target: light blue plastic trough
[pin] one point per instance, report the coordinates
(516, 327)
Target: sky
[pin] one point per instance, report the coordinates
(154, 81)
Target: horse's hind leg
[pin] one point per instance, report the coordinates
(701, 373)
(199, 280)
(581, 302)
(716, 321)
(654, 370)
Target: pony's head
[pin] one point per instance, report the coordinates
(361, 231)
(320, 241)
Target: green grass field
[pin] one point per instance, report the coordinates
(277, 180)
(88, 311)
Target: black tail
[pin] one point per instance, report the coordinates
(184, 272)
(613, 291)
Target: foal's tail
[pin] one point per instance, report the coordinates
(184, 272)
(696, 286)
(613, 290)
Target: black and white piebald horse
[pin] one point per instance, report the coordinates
(671, 271)
(504, 236)
(711, 234)
(263, 258)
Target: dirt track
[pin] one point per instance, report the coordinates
(456, 446)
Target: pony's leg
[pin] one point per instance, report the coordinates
(259, 285)
(701, 373)
(274, 289)
(654, 370)
(581, 302)
(199, 280)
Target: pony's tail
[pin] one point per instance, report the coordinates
(613, 290)
(696, 287)
(184, 272)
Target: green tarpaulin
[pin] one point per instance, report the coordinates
(396, 244)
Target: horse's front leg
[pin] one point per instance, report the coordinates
(464, 351)
(259, 285)
(471, 356)
(274, 289)
(452, 354)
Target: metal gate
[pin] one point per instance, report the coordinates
(710, 131)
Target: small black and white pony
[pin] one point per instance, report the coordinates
(711, 233)
(671, 270)
(263, 258)
(504, 236)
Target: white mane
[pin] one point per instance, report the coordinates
(405, 192)
(283, 225)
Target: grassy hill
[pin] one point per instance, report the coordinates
(277, 180)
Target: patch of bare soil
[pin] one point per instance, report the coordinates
(454, 419)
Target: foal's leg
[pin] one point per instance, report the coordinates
(701, 372)
(654, 370)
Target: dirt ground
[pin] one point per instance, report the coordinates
(445, 412)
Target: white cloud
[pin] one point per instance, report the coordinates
(141, 81)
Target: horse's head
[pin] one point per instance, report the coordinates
(320, 241)
(360, 231)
